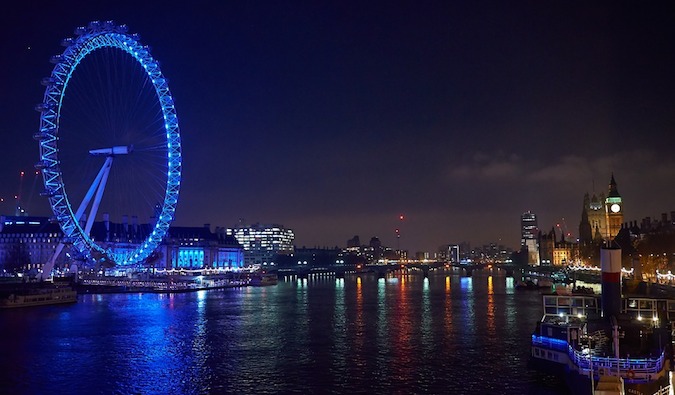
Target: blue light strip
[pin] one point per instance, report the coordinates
(550, 342)
(653, 365)
(98, 35)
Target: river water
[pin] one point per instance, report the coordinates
(400, 335)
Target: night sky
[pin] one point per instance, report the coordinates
(334, 119)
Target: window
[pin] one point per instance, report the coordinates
(550, 300)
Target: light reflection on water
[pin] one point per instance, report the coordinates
(404, 334)
(491, 328)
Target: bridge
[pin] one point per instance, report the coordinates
(421, 267)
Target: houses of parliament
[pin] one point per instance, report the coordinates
(601, 217)
(601, 222)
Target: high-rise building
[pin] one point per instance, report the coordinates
(454, 254)
(354, 242)
(262, 242)
(529, 236)
(528, 226)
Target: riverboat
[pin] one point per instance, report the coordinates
(587, 337)
(525, 284)
(39, 297)
(534, 284)
(260, 280)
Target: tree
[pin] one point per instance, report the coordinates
(17, 257)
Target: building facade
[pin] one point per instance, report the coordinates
(529, 237)
(454, 255)
(261, 243)
(602, 217)
(198, 248)
(26, 243)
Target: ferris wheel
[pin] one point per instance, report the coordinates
(107, 101)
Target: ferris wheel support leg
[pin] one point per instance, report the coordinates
(99, 194)
(94, 185)
(97, 186)
(49, 266)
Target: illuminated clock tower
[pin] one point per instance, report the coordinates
(613, 210)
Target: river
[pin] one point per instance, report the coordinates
(400, 335)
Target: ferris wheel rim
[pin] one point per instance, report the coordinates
(95, 36)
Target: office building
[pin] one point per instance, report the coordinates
(262, 242)
(529, 237)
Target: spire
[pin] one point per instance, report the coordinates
(613, 192)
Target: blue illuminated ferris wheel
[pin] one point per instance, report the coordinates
(107, 101)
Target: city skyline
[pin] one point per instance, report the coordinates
(335, 120)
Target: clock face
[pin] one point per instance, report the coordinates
(615, 208)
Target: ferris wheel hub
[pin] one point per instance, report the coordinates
(117, 150)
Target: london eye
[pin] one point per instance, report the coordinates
(110, 147)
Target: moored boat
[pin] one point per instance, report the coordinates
(262, 279)
(586, 336)
(39, 297)
(525, 284)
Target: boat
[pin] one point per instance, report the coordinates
(39, 297)
(262, 279)
(544, 283)
(525, 284)
(561, 278)
(609, 338)
(534, 284)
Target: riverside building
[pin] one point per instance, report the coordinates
(262, 242)
(26, 243)
(529, 237)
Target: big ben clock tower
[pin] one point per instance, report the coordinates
(613, 210)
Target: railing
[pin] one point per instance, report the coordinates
(162, 285)
(549, 342)
(631, 368)
(663, 391)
